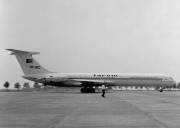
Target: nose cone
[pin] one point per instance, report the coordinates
(174, 82)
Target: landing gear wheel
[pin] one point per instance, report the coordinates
(87, 90)
(82, 90)
(92, 90)
(161, 90)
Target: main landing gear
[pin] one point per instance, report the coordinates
(87, 90)
(161, 90)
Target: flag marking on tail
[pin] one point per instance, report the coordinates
(29, 60)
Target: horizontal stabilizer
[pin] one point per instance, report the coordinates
(19, 51)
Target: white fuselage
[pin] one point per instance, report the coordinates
(112, 79)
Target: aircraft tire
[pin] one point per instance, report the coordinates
(161, 90)
(87, 90)
(92, 90)
(82, 90)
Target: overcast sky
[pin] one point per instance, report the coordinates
(85, 36)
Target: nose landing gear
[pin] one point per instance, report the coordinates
(160, 89)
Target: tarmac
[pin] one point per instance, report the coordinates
(72, 109)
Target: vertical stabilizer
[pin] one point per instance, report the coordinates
(28, 64)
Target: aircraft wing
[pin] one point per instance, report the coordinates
(95, 81)
(82, 81)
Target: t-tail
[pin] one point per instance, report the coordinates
(28, 64)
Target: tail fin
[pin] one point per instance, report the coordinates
(28, 64)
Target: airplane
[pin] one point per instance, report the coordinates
(33, 71)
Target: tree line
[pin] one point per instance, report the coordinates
(17, 85)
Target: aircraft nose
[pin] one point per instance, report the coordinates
(175, 83)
